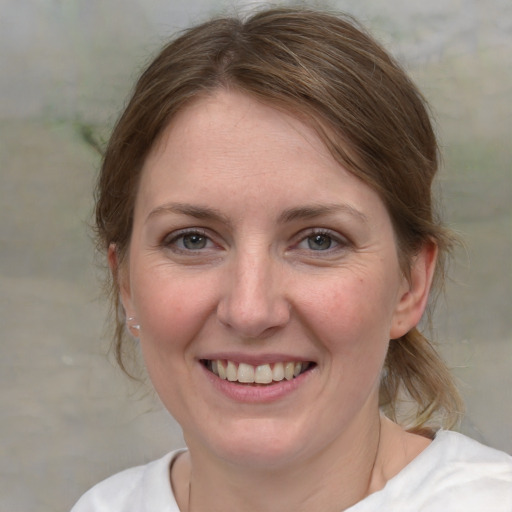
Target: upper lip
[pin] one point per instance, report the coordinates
(254, 359)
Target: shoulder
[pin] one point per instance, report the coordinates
(467, 474)
(463, 456)
(138, 489)
(454, 473)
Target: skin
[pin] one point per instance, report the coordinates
(224, 263)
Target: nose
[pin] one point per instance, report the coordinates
(254, 303)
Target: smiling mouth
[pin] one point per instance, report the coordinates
(244, 373)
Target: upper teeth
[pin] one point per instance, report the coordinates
(262, 374)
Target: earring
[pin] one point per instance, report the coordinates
(132, 326)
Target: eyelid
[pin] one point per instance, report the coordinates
(169, 240)
(341, 241)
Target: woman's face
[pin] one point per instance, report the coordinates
(255, 255)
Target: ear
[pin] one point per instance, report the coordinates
(121, 278)
(414, 295)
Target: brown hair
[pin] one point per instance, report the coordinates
(330, 72)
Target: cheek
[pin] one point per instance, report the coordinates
(171, 318)
(351, 318)
(354, 305)
(169, 310)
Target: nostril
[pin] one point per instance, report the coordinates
(255, 323)
(253, 304)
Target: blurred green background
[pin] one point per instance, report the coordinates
(69, 418)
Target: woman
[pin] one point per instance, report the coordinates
(265, 202)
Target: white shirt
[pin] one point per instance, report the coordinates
(453, 474)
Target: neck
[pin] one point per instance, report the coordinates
(333, 480)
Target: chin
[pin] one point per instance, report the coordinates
(257, 443)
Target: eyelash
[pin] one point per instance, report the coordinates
(171, 241)
(339, 241)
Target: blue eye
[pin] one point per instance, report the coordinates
(320, 242)
(194, 241)
(188, 241)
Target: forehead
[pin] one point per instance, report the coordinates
(228, 126)
(228, 145)
(232, 118)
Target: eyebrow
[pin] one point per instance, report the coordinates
(313, 211)
(292, 214)
(198, 212)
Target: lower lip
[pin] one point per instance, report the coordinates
(247, 393)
